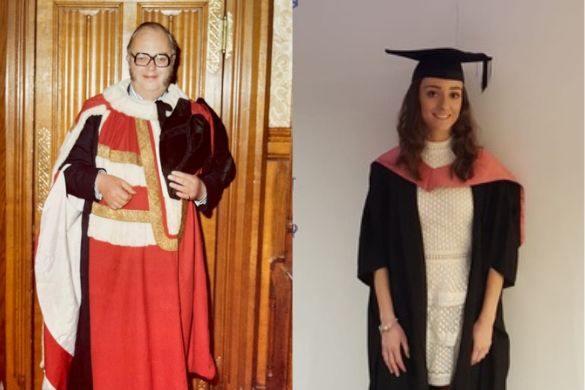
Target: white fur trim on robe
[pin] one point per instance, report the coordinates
(57, 264)
(133, 234)
(131, 173)
(47, 385)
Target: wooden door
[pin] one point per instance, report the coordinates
(64, 51)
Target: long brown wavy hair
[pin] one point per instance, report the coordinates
(412, 134)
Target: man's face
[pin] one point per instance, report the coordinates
(150, 81)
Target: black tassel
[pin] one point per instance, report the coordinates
(486, 73)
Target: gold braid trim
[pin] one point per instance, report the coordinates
(183, 217)
(121, 214)
(118, 156)
(155, 203)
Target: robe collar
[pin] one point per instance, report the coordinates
(486, 169)
(120, 100)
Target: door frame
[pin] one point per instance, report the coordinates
(19, 194)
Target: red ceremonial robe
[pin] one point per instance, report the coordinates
(124, 292)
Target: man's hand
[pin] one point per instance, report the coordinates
(189, 187)
(115, 191)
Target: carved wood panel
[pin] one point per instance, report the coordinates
(81, 47)
(3, 37)
(185, 23)
(19, 193)
(273, 359)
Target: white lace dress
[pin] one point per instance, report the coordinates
(446, 218)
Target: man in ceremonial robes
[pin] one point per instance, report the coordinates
(120, 263)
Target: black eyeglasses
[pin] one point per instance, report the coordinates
(161, 60)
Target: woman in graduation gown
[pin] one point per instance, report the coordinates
(439, 240)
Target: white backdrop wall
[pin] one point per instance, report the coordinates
(346, 97)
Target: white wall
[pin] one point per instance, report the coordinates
(346, 96)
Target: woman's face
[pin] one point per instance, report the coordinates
(440, 104)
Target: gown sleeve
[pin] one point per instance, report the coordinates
(220, 169)
(373, 252)
(502, 235)
(80, 176)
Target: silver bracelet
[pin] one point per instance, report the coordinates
(383, 328)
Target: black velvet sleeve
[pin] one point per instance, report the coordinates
(373, 251)
(220, 169)
(80, 176)
(502, 229)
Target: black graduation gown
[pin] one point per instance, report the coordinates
(391, 237)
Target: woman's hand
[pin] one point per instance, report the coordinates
(189, 187)
(393, 343)
(482, 340)
(115, 191)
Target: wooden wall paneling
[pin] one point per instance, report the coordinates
(3, 37)
(81, 47)
(188, 23)
(19, 193)
(198, 28)
(273, 356)
(279, 367)
(244, 111)
(275, 316)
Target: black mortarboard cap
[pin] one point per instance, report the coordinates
(444, 63)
